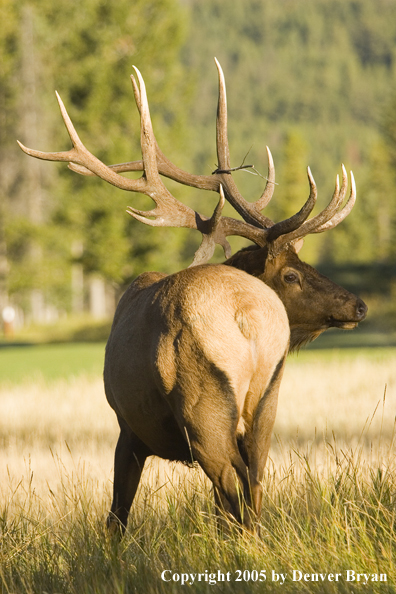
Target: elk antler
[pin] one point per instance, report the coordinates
(170, 212)
(288, 230)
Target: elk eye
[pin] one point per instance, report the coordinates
(291, 277)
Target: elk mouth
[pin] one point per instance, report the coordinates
(343, 324)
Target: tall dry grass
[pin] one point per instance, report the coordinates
(330, 490)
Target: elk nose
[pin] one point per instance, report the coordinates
(361, 309)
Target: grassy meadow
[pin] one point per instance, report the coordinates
(330, 486)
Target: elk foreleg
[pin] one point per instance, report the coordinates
(130, 456)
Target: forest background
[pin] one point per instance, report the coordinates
(314, 80)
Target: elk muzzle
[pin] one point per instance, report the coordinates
(358, 315)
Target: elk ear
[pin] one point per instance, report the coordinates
(298, 245)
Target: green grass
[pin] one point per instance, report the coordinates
(310, 523)
(53, 361)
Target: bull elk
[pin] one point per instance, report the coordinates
(194, 360)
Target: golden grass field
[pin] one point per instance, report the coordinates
(335, 422)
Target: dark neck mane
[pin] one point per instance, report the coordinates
(250, 259)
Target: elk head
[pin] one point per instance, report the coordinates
(312, 301)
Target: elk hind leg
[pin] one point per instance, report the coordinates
(208, 416)
(255, 444)
(130, 456)
(232, 492)
(218, 454)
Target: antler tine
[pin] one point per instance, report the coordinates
(64, 156)
(341, 214)
(81, 156)
(285, 228)
(136, 91)
(119, 167)
(266, 196)
(331, 208)
(223, 152)
(247, 210)
(147, 140)
(326, 219)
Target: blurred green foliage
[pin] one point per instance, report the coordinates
(314, 80)
(86, 51)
